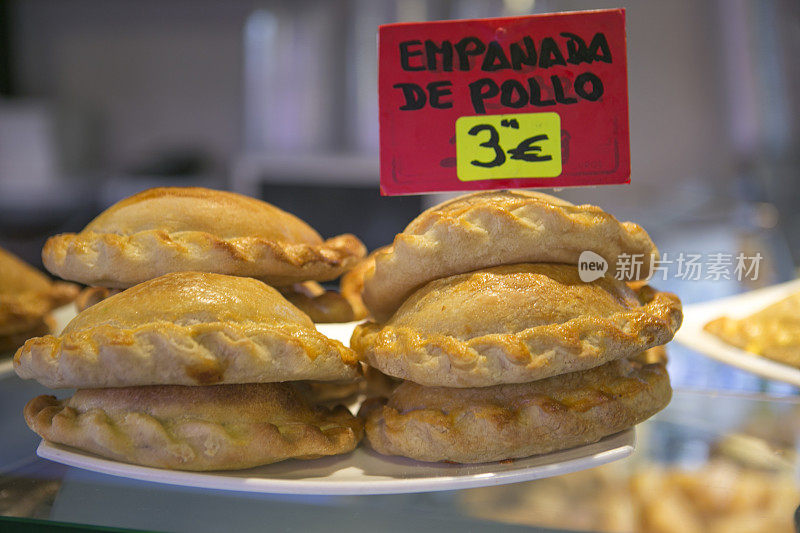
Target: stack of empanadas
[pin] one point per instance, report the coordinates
(179, 315)
(189, 371)
(26, 298)
(176, 229)
(505, 352)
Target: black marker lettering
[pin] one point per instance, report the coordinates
(414, 95)
(481, 90)
(507, 94)
(495, 58)
(520, 57)
(406, 54)
(536, 94)
(558, 91)
(464, 50)
(596, 83)
(436, 90)
(599, 49)
(549, 54)
(445, 51)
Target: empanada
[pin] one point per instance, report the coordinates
(26, 297)
(515, 323)
(321, 305)
(488, 229)
(509, 421)
(222, 427)
(175, 229)
(186, 328)
(773, 332)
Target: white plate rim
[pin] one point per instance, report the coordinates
(695, 316)
(620, 445)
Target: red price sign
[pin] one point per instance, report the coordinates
(536, 101)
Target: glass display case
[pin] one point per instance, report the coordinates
(708, 462)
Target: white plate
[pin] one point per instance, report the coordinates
(340, 332)
(696, 316)
(362, 471)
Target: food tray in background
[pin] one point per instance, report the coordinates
(696, 316)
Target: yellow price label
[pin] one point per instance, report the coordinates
(524, 145)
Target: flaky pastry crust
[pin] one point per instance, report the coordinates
(513, 324)
(773, 332)
(174, 229)
(223, 427)
(186, 328)
(510, 421)
(27, 296)
(494, 228)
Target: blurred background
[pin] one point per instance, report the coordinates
(102, 98)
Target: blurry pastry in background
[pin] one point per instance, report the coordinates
(627, 497)
(27, 297)
(174, 229)
(329, 392)
(92, 295)
(773, 332)
(656, 354)
(352, 284)
(487, 229)
(10, 342)
(377, 384)
(323, 306)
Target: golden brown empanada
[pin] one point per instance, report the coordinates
(515, 323)
(321, 305)
(26, 298)
(508, 421)
(186, 328)
(222, 427)
(494, 228)
(773, 332)
(175, 229)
